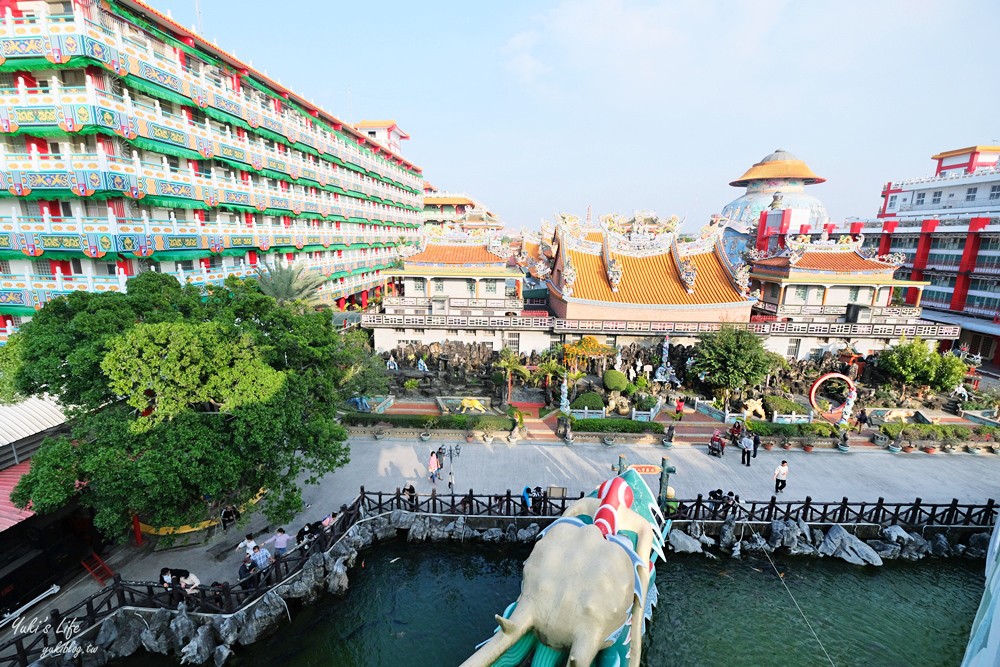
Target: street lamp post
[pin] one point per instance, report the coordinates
(453, 453)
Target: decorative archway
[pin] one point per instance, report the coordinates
(848, 405)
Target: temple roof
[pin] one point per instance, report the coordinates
(652, 280)
(455, 254)
(777, 165)
(435, 200)
(839, 262)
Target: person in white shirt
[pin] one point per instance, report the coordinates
(247, 544)
(746, 448)
(780, 477)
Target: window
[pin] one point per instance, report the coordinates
(970, 194)
(108, 269)
(41, 267)
(76, 267)
(801, 293)
(854, 294)
(420, 284)
(793, 347)
(936, 197)
(919, 199)
(187, 265)
(491, 287)
(471, 286)
(439, 287)
(512, 340)
(892, 201)
(451, 332)
(5, 266)
(994, 192)
(774, 291)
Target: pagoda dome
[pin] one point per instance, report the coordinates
(779, 165)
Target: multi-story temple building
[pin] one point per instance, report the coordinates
(946, 229)
(457, 211)
(132, 144)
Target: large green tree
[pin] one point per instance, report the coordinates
(731, 359)
(914, 362)
(286, 284)
(182, 396)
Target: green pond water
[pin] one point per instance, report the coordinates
(428, 606)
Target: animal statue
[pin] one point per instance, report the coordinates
(471, 404)
(588, 584)
(360, 403)
(961, 392)
(901, 415)
(753, 407)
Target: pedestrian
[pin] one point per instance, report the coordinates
(169, 576)
(190, 583)
(862, 420)
(679, 408)
(261, 558)
(714, 498)
(229, 516)
(433, 465)
(410, 494)
(526, 498)
(440, 454)
(746, 449)
(281, 540)
(756, 443)
(247, 544)
(247, 569)
(735, 433)
(781, 477)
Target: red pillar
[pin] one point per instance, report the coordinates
(341, 304)
(364, 299)
(885, 242)
(137, 530)
(762, 231)
(968, 264)
(920, 260)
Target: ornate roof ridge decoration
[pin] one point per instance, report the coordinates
(611, 265)
(500, 248)
(568, 276)
(739, 274)
(844, 244)
(685, 268)
(407, 250)
(895, 259)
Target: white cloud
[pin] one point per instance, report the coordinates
(521, 61)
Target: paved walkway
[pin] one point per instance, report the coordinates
(825, 475)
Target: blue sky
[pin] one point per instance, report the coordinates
(544, 107)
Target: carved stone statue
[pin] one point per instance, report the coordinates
(421, 365)
(564, 397)
(391, 364)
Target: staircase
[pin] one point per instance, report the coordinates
(97, 568)
(951, 407)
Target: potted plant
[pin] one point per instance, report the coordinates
(768, 445)
(609, 440)
(894, 447)
(429, 424)
(470, 436)
(488, 435)
(880, 439)
(381, 430)
(973, 447)
(908, 447)
(930, 449)
(807, 446)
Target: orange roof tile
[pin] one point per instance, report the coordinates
(841, 262)
(454, 254)
(533, 250)
(963, 151)
(652, 280)
(595, 237)
(446, 201)
(779, 164)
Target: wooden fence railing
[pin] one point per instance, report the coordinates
(26, 647)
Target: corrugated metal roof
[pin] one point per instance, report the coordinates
(9, 477)
(25, 419)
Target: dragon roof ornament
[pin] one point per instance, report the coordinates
(568, 276)
(689, 273)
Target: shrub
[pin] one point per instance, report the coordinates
(641, 383)
(411, 384)
(782, 406)
(615, 380)
(937, 431)
(456, 422)
(816, 429)
(646, 403)
(616, 426)
(630, 389)
(590, 400)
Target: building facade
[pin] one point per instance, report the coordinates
(130, 144)
(457, 211)
(946, 228)
(842, 287)
(459, 288)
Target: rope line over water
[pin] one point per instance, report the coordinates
(789, 591)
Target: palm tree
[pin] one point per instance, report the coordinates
(546, 370)
(286, 284)
(572, 377)
(510, 364)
